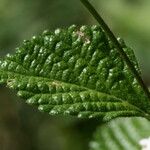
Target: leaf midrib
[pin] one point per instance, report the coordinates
(136, 108)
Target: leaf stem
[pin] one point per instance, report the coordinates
(117, 44)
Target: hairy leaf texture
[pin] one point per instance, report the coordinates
(121, 135)
(75, 71)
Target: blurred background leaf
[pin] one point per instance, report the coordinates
(21, 126)
(122, 135)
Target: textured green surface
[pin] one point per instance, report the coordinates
(75, 71)
(121, 134)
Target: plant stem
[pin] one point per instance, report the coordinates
(117, 45)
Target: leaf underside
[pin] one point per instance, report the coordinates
(75, 71)
(121, 135)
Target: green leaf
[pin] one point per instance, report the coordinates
(121, 134)
(75, 71)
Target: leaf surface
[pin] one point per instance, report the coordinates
(75, 71)
(121, 134)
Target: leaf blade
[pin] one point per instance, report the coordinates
(121, 135)
(81, 62)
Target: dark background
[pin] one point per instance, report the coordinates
(22, 127)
